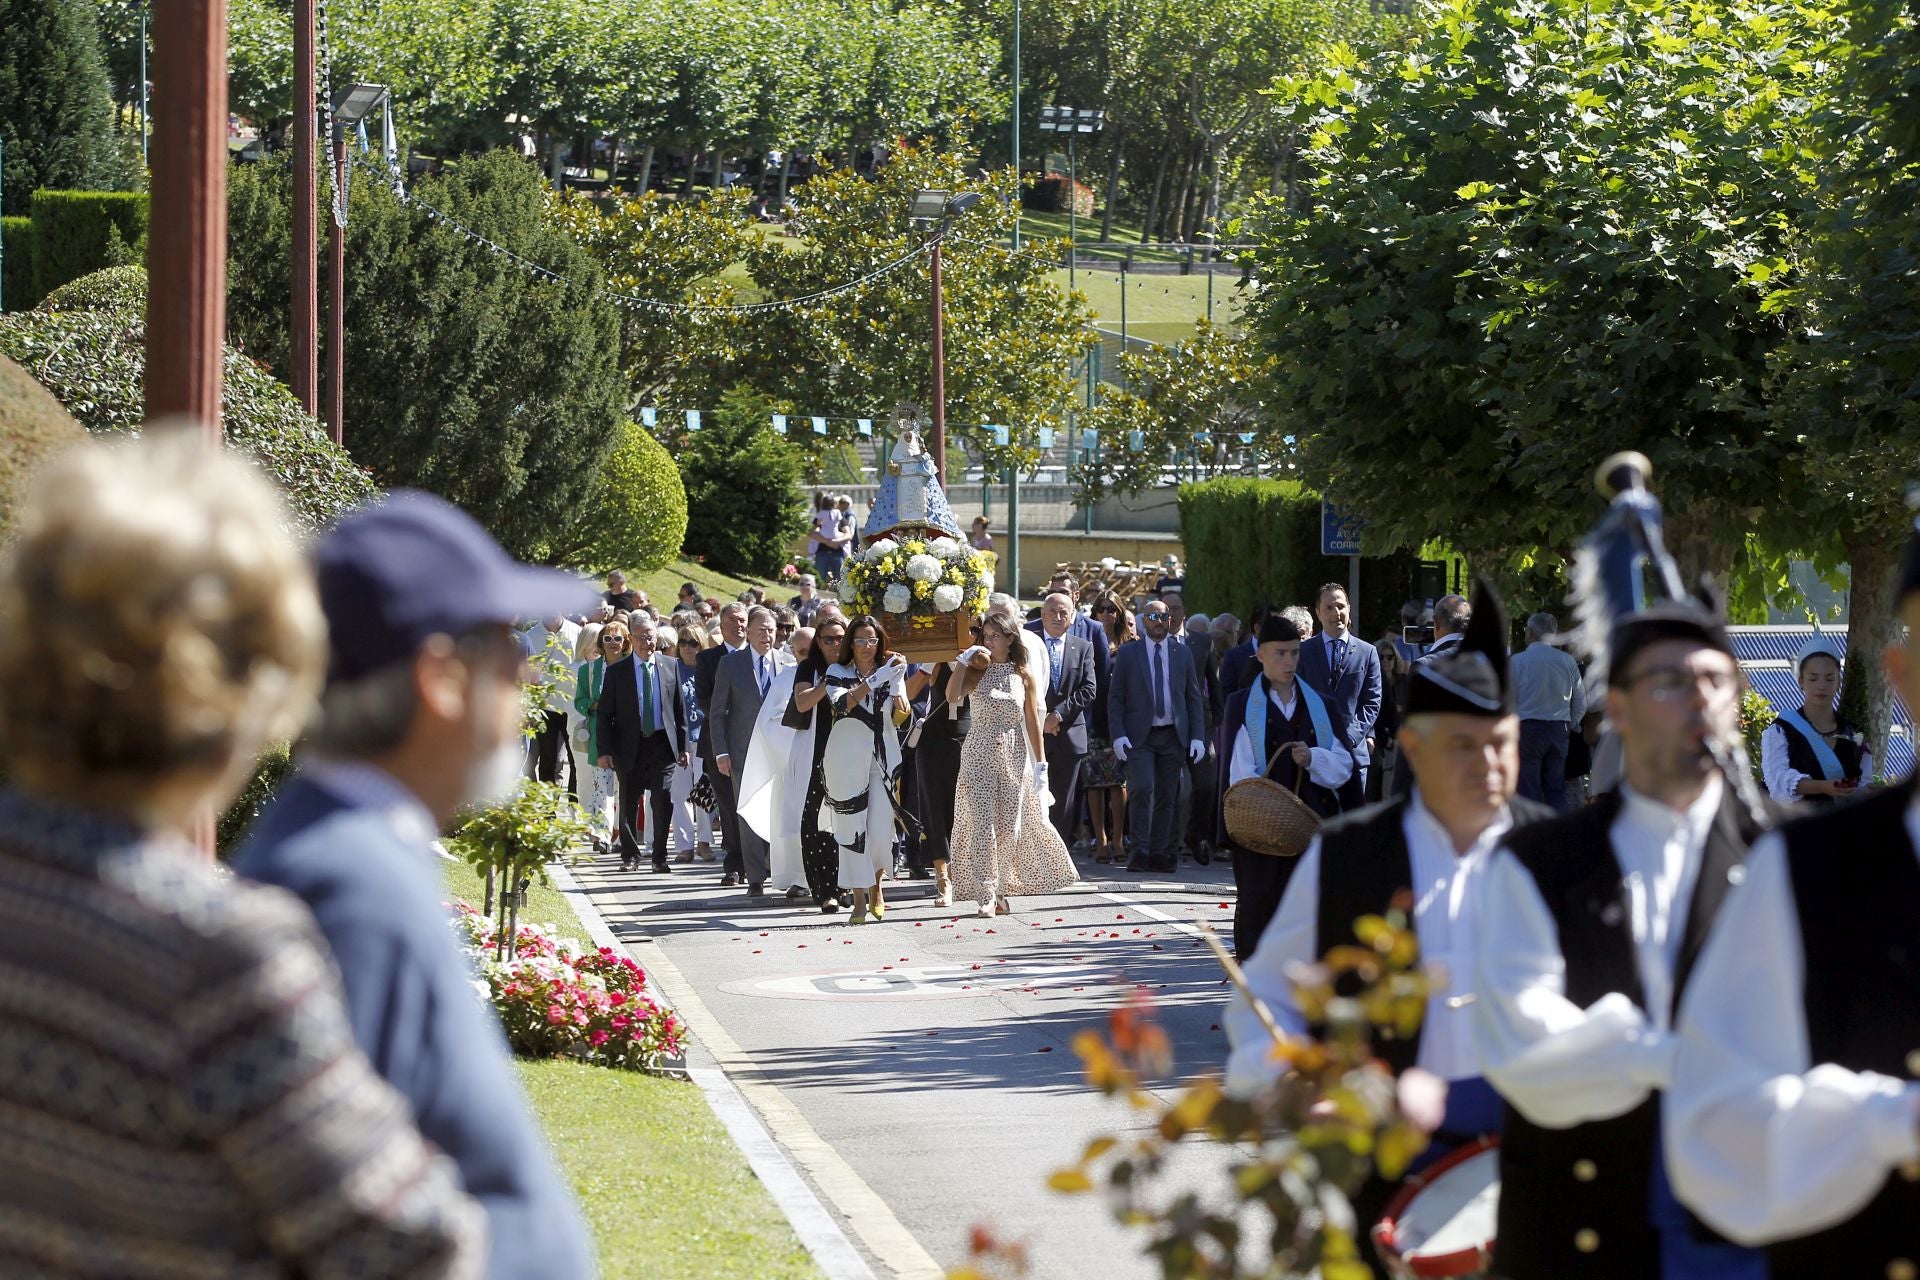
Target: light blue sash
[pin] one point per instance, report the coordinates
(1830, 767)
(1260, 699)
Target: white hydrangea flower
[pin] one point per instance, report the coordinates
(923, 569)
(986, 581)
(846, 591)
(898, 599)
(884, 547)
(946, 548)
(946, 597)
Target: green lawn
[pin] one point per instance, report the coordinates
(1163, 308)
(663, 585)
(665, 1192)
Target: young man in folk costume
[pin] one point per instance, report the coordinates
(1794, 1119)
(1277, 727)
(1461, 739)
(1590, 926)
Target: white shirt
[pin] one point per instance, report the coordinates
(1782, 777)
(1328, 766)
(559, 682)
(1445, 919)
(1761, 1142)
(1562, 1065)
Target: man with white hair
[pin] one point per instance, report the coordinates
(1547, 682)
(732, 619)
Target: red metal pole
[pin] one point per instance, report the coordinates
(336, 300)
(939, 442)
(304, 358)
(187, 237)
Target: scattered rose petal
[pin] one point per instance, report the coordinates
(1045, 1048)
(1214, 1027)
(799, 946)
(976, 966)
(756, 953)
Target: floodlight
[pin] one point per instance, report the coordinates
(962, 202)
(356, 102)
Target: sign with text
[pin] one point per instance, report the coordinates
(1339, 532)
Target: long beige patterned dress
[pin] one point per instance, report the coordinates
(987, 858)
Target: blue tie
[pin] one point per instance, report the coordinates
(1053, 652)
(646, 698)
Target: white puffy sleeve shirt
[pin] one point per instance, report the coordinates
(1761, 1142)
(1329, 766)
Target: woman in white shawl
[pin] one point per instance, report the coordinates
(782, 788)
(867, 696)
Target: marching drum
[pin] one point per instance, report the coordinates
(1442, 1221)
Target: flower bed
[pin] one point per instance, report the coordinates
(557, 999)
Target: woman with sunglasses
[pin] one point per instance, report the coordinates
(867, 696)
(609, 644)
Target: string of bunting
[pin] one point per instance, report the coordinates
(783, 424)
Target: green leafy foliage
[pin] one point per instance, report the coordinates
(744, 509)
(274, 767)
(33, 427)
(1189, 403)
(1253, 541)
(91, 354)
(466, 376)
(635, 515)
(79, 232)
(16, 263)
(56, 115)
(1541, 233)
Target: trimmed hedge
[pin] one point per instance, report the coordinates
(78, 232)
(91, 354)
(16, 264)
(635, 516)
(1254, 540)
(33, 427)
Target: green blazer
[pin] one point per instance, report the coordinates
(586, 692)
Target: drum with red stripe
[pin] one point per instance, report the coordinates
(1441, 1224)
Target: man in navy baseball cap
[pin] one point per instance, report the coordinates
(421, 716)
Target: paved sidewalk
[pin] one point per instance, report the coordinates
(920, 1070)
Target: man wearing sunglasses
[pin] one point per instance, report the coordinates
(1589, 928)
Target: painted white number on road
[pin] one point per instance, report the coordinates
(929, 982)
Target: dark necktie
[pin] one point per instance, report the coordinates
(646, 696)
(760, 666)
(1339, 656)
(1053, 652)
(1160, 682)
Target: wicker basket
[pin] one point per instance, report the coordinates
(931, 637)
(1264, 817)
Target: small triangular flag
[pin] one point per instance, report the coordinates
(1136, 440)
(647, 417)
(780, 423)
(865, 425)
(1089, 439)
(1046, 438)
(819, 426)
(1203, 437)
(999, 435)
(1246, 437)
(693, 419)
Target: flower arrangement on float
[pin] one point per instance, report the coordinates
(917, 577)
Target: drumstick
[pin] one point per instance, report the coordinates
(1239, 979)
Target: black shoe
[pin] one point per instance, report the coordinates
(626, 864)
(1138, 865)
(661, 865)
(795, 893)
(1168, 865)
(758, 889)
(1204, 857)
(729, 880)
(920, 873)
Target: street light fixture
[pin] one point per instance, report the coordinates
(933, 208)
(1074, 124)
(351, 105)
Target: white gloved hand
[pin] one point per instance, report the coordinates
(1037, 773)
(881, 678)
(1120, 748)
(967, 655)
(1196, 751)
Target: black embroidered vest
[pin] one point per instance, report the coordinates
(1295, 728)
(1856, 890)
(1800, 756)
(1574, 1202)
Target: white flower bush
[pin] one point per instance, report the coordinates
(947, 597)
(847, 592)
(924, 568)
(882, 548)
(898, 598)
(945, 548)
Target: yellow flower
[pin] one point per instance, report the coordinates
(915, 548)
(921, 590)
(954, 576)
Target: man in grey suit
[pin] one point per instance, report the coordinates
(1071, 687)
(1345, 671)
(1154, 708)
(740, 685)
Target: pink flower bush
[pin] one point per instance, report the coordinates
(558, 999)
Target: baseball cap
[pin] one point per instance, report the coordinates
(410, 566)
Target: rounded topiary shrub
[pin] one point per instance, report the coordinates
(87, 345)
(33, 427)
(635, 516)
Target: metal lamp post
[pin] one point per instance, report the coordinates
(933, 208)
(350, 106)
(1074, 124)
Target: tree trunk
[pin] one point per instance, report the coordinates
(646, 168)
(1210, 209)
(1115, 144)
(559, 161)
(1183, 211)
(1872, 625)
(786, 171)
(1153, 201)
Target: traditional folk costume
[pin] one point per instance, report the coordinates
(1792, 1117)
(1792, 748)
(782, 786)
(1590, 926)
(1358, 866)
(1256, 725)
(862, 759)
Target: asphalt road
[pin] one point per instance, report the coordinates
(932, 1051)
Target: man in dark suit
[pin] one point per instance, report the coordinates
(1237, 665)
(1155, 710)
(641, 726)
(1344, 670)
(733, 635)
(1071, 689)
(1451, 614)
(740, 685)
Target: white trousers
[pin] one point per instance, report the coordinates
(691, 823)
